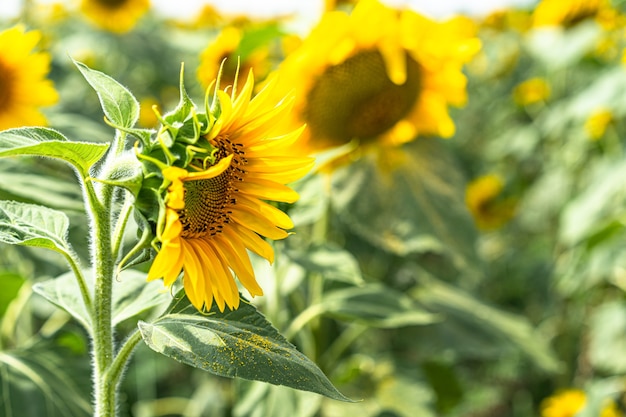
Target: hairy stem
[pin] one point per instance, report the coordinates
(103, 264)
(123, 356)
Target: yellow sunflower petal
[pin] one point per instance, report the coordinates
(254, 242)
(252, 220)
(270, 213)
(269, 190)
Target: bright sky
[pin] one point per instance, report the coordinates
(309, 10)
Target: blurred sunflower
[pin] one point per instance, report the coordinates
(569, 402)
(568, 13)
(214, 210)
(232, 45)
(531, 91)
(597, 123)
(483, 198)
(117, 16)
(507, 19)
(378, 74)
(23, 84)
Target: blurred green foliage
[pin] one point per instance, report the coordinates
(387, 284)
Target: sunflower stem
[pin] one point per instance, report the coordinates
(82, 282)
(120, 226)
(123, 356)
(103, 263)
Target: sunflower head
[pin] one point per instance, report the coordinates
(238, 49)
(532, 91)
(23, 84)
(117, 16)
(598, 122)
(485, 202)
(208, 177)
(569, 13)
(567, 403)
(378, 74)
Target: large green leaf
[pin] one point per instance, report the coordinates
(329, 260)
(132, 295)
(39, 189)
(64, 292)
(41, 141)
(477, 328)
(118, 104)
(372, 304)
(377, 306)
(43, 380)
(11, 284)
(33, 225)
(239, 343)
(407, 201)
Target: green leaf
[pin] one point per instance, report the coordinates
(118, 104)
(239, 343)
(33, 225)
(64, 292)
(480, 329)
(44, 190)
(43, 380)
(11, 284)
(408, 201)
(331, 261)
(40, 141)
(377, 306)
(132, 295)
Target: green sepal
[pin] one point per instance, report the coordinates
(125, 172)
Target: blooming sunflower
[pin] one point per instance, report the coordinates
(213, 207)
(568, 13)
(531, 91)
(378, 74)
(483, 199)
(569, 402)
(228, 45)
(23, 84)
(117, 16)
(597, 123)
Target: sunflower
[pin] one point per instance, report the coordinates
(23, 84)
(483, 198)
(532, 91)
(598, 122)
(231, 49)
(213, 207)
(569, 13)
(569, 402)
(118, 16)
(378, 74)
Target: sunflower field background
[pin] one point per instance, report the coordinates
(459, 247)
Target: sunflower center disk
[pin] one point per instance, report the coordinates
(205, 210)
(356, 99)
(5, 86)
(112, 4)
